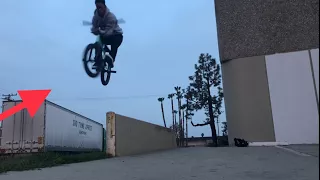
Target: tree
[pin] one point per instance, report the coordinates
(170, 96)
(206, 77)
(224, 129)
(161, 102)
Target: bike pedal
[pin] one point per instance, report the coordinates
(113, 71)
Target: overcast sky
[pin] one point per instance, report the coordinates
(41, 43)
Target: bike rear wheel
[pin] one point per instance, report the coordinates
(97, 54)
(106, 71)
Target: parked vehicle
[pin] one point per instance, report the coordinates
(53, 128)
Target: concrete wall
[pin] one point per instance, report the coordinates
(247, 101)
(293, 98)
(261, 27)
(130, 136)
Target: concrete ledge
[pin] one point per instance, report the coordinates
(128, 136)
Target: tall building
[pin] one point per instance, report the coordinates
(269, 51)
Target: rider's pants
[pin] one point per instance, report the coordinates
(115, 41)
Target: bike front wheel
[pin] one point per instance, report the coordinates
(106, 71)
(86, 60)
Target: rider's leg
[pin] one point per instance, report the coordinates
(115, 41)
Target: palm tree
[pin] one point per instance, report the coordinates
(188, 109)
(185, 117)
(176, 126)
(183, 107)
(170, 96)
(179, 97)
(175, 121)
(161, 102)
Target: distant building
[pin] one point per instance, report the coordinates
(199, 141)
(205, 141)
(269, 51)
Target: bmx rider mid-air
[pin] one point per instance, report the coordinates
(105, 24)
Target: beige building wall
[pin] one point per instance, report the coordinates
(247, 100)
(268, 101)
(129, 136)
(247, 32)
(293, 98)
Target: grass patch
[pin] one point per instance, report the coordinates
(49, 159)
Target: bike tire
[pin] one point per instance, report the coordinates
(98, 51)
(105, 79)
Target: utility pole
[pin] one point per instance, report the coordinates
(8, 97)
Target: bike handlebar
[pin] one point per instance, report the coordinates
(88, 23)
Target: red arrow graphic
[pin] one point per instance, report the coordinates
(31, 99)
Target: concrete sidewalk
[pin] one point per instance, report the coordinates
(312, 150)
(198, 163)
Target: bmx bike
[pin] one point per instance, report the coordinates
(102, 59)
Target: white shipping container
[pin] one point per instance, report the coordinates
(53, 128)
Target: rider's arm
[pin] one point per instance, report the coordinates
(95, 27)
(111, 24)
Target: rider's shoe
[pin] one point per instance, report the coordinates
(112, 61)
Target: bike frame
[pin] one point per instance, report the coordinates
(98, 40)
(103, 51)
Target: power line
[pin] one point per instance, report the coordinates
(2, 90)
(104, 98)
(95, 98)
